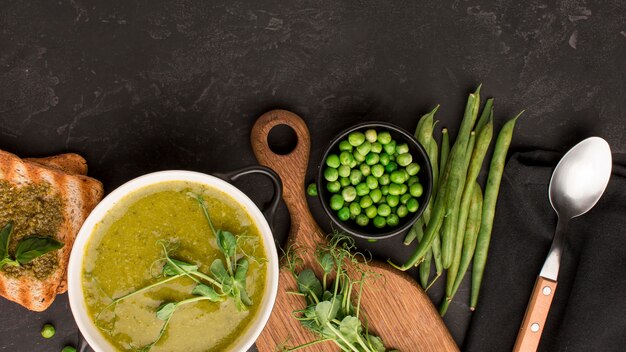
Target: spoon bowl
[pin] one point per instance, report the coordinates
(580, 178)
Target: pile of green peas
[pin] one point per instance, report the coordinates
(373, 178)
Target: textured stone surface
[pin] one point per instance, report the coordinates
(151, 85)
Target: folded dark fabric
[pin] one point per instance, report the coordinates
(589, 310)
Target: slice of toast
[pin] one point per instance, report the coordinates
(79, 195)
(70, 163)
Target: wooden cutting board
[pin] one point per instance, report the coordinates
(394, 305)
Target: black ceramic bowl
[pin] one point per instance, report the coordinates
(425, 175)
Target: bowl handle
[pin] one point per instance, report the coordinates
(269, 209)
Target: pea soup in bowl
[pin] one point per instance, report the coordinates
(174, 261)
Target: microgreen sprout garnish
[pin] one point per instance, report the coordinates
(331, 312)
(27, 249)
(227, 278)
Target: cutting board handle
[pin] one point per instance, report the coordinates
(291, 168)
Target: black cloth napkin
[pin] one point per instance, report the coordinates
(588, 312)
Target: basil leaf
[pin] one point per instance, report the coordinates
(5, 237)
(309, 284)
(170, 269)
(350, 328)
(206, 291)
(166, 310)
(34, 247)
(227, 243)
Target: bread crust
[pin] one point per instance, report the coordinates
(79, 195)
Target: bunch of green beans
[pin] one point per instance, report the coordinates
(455, 227)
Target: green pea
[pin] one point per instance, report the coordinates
(390, 147)
(362, 189)
(404, 159)
(391, 167)
(402, 211)
(376, 195)
(412, 169)
(371, 211)
(371, 181)
(384, 210)
(397, 177)
(345, 158)
(364, 148)
(379, 222)
(395, 189)
(413, 179)
(362, 220)
(365, 169)
(416, 190)
(345, 146)
(403, 188)
(344, 181)
(384, 137)
(68, 349)
(384, 179)
(333, 187)
(356, 138)
(312, 190)
(384, 190)
(393, 220)
(343, 214)
(332, 160)
(405, 198)
(355, 209)
(358, 156)
(336, 202)
(343, 171)
(392, 200)
(355, 177)
(372, 158)
(331, 174)
(412, 205)
(348, 194)
(384, 159)
(48, 331)
(371, 135)
(376, 148)
(402, 148)
(366, 201)
(378, 170)
(353, 163)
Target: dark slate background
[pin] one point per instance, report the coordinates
(140, 86)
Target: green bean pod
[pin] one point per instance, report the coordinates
(486, 115)
(451, 221)
(469, 244)
(456, 175)
(489, 206)
(445, 150)
(475, 164)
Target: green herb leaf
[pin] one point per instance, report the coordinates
(309, 284)
(5, 237)
(350, 328)
(240, 281)
(166, 310)
(219, 272)
(171, 270)
(34, 247)
(206, 291)
(326, 262)
(376, 343)
(326, 311)
(227, 243)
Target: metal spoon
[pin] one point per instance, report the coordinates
(576, 185)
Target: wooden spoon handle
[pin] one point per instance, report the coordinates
(291, 168)
(536, 314)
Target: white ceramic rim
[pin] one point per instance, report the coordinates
(75, 267)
